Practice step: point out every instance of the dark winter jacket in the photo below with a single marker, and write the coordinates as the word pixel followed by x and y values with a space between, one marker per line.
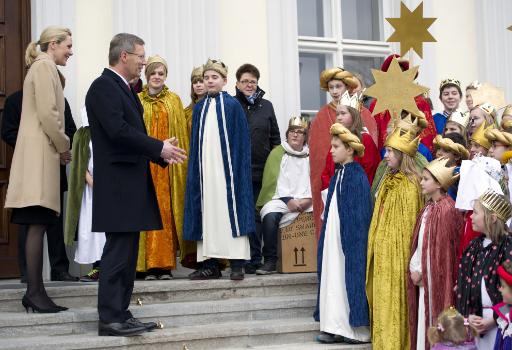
pixel 264 130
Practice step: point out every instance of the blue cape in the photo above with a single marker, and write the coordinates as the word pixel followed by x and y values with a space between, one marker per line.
pixel 239 195
pixel 355 212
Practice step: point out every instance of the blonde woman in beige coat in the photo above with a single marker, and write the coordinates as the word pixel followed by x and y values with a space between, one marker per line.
pixel 41 146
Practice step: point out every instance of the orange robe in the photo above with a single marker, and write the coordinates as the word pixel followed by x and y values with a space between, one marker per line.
pixel 164 117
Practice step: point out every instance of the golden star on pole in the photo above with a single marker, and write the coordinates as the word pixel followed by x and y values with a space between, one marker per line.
pixel 395 90
pixel 411 29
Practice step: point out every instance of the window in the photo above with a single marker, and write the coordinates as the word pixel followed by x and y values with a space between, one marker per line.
pixel 344 33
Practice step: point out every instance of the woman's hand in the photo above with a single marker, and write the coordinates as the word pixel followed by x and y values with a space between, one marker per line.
pixel 88 178
pixel 482 325
pixel 65 157
pixel 294 206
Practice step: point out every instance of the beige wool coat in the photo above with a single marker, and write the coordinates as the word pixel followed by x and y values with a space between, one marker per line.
pixel 35 170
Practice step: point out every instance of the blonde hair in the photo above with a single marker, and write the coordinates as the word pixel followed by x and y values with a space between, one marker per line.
pixel 496 230
pixel 150 68
pixel 450 327
pixel 49 34
pixel 407 166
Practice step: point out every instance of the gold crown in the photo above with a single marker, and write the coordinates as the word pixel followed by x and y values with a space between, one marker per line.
pixel 337 73
pixel 449 81
pixel 507 110
pixel 442 172
pixel 353 101
pixel 415 126
pixel 506 125
pixel 450 146
pixel 493 134
pixel 298 121
pixel 216 66
pixel 497 203
pixel 197 74
pixel 479 136
pixel 156 59
pixel 404 141
pixel 459 117
pixel 349 138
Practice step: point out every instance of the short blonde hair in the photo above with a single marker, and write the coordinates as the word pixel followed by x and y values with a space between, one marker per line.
pixel 49 34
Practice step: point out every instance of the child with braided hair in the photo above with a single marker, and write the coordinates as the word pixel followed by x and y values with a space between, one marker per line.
pixel 342 307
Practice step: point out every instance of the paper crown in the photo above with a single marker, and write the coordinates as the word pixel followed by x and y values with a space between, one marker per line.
pixel 404 141
pixel 488 108
pixel 298 122
pixel 197 74
pixel 493 134
pixel 506 125
pixel 412 123
pixel 348 137
pixel 479 136
pixel 337 73
pixel 449 81
pixel 507 110
pixel 450 146
pixel 156 59
pixel 497 203
pixel 353 101
pixel 442 172
pixel 475 85
pixel 216 66
pixel 459 117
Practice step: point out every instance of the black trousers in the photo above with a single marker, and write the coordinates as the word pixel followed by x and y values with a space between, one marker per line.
pixel 117 276
pixel 270 231
pixel 255 239
pixel 59 261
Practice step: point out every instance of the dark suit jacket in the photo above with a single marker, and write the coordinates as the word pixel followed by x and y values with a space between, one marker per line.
pixel 123 191
pixel 11 123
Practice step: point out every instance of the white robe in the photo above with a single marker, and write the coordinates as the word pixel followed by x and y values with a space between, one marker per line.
pixel 334 305
pixel 90 244
pixel 218 241
pixel 415 266
pixel 293 181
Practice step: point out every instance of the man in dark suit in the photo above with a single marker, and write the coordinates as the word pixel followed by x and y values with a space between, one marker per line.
pixel 59 261
pixel 124 196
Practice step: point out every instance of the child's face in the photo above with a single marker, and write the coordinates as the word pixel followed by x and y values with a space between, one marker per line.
pixel 214 81
pixel 199 87
pixel 452 127
pixel 477 117
pixel 392 159
pixel 497 149
pixel 344 117
pixel 450 98
pixel 336 89
pixel 478 217
pixel 506 291
pixel 440 153
pixel 429 185
pixel 341 154
pixel 469 98
pixel 476 149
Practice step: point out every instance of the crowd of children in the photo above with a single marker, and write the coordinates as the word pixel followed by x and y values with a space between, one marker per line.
pixel 422 259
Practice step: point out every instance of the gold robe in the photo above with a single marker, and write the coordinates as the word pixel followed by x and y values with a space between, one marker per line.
pixel 394 215
pixel 164 118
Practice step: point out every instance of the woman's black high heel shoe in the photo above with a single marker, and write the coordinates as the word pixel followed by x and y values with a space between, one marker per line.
pixel 28 304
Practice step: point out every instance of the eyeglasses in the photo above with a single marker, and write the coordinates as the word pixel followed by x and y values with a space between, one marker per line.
pixel 297 132
pixel 141 57
pixel 249 82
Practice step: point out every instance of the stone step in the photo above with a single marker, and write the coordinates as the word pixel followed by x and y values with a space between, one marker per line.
pixel 307 346
pixel 221 335
pixel 76 294
pixel 81 320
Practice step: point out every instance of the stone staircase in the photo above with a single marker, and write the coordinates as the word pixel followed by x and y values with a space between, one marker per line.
pixel 261 312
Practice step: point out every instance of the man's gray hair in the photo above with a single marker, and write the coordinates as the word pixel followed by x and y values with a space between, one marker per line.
pixel 122 42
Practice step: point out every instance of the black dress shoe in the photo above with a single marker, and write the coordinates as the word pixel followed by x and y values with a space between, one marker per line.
pixel 63 276
pixel 237 274
pixel 123 329
pixel 136 322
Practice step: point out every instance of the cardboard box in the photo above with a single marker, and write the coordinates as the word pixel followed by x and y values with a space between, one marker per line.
pixel 297 246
